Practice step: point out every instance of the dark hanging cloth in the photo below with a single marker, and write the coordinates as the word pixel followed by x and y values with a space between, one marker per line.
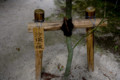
pixel 67 27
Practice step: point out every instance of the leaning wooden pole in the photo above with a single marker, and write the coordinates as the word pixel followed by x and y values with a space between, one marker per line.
pixel 68 40
pixel 90 14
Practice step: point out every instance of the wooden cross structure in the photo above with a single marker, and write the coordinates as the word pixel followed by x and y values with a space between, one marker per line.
pixel 39 39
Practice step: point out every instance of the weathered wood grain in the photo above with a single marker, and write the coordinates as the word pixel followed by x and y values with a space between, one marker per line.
pixel 38 34
pixel 90 49
pixel 38 63
pixel 84 23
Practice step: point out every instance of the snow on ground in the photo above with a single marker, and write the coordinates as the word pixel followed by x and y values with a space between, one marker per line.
pixel 20 64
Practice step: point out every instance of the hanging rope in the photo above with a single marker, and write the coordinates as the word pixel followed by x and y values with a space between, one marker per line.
pixel 93 21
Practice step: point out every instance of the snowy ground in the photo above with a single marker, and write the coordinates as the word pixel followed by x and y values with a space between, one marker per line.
pixel 20 64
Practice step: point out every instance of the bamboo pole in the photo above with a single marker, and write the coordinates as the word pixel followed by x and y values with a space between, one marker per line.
pixel 90 14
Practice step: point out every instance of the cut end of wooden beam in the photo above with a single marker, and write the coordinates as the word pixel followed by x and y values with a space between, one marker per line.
pixel 84 23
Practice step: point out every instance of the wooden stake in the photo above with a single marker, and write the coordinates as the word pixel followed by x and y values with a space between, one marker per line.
pixel 38 64
pixel 90 14
pixel 39 47
pixel 90 49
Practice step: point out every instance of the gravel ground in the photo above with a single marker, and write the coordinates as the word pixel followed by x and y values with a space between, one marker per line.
pixel 17 50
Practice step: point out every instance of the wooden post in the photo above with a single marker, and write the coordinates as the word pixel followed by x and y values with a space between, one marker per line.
pixel 38 63
pixel 38 33
pixel 90 49
pixel 90 13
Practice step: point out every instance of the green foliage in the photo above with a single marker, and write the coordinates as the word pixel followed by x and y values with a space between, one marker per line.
pixel 116 47
pixel 109 9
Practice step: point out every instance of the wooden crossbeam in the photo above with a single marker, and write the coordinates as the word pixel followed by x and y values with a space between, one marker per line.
pixel 84 23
